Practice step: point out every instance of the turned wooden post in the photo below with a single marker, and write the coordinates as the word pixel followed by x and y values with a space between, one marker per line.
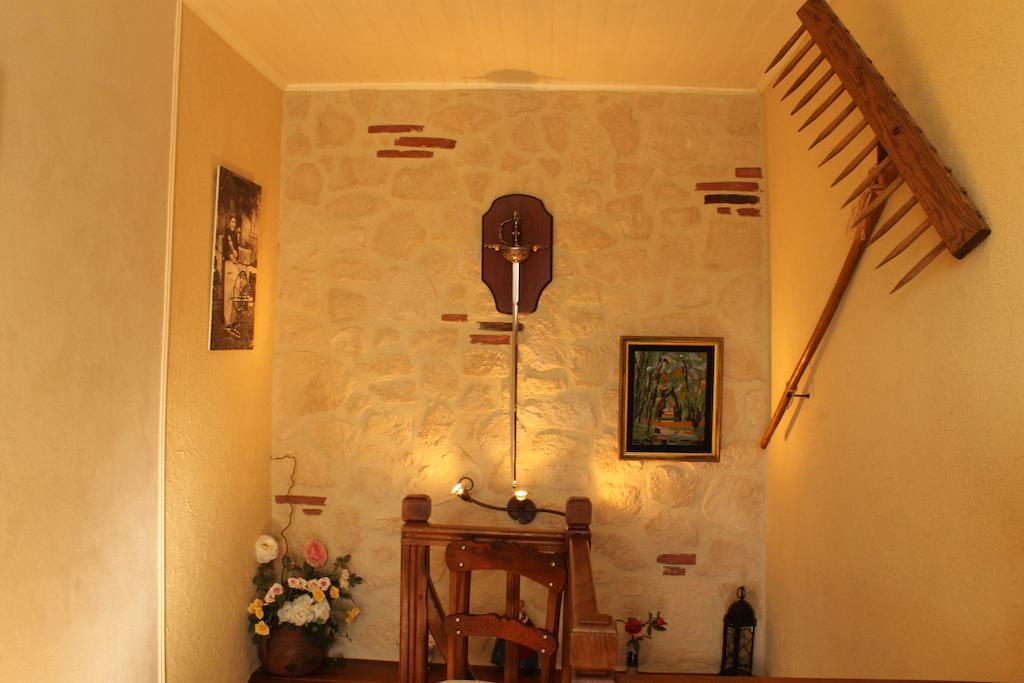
pixel 415 568
pixel 590 640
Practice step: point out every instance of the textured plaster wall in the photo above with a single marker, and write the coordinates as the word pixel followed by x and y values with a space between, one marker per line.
pixel 378 397
pixel 218 403
pixel 85 140
pixel 895 516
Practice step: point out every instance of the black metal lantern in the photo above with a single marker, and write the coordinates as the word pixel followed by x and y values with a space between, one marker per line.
pixel 738 637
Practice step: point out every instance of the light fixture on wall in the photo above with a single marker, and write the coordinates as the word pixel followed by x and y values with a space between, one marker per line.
pixel 519 507
pixel 515 263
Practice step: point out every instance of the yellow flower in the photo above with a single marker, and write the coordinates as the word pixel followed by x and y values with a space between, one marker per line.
pixel 351 615
pixel 256 608
pixel 318 594
pixel 335 593
pixel 261 629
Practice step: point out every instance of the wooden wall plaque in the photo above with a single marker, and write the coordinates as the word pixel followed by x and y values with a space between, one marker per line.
pixel 536 225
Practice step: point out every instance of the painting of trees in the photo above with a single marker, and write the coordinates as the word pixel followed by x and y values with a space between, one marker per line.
pixel 669 393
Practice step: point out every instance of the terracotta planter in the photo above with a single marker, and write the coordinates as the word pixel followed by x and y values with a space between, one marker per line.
pixel 291 651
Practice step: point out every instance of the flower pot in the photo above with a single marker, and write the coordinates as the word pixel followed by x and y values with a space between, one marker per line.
pixel 291 651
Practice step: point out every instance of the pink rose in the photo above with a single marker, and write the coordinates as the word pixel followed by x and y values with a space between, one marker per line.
pixel 324 583
pixel 316 554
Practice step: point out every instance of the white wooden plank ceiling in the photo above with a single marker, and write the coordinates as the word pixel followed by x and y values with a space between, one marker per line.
pixel 635 44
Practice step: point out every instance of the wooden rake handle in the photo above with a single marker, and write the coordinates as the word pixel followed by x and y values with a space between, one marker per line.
pixel 860 243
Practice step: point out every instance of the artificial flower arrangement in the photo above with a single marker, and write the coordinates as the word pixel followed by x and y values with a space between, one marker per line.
pixel 634 628
pixel 309 596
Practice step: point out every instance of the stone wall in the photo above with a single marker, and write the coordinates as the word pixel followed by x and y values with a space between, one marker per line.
pixel 377 396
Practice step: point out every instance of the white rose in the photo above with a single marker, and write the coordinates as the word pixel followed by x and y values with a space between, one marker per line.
pixel 302 610
pixel 321 611
pixel 284 613
pixel 266 549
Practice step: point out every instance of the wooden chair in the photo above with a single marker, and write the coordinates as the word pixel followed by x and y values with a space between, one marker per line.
pixel 516 560
pixel 574 631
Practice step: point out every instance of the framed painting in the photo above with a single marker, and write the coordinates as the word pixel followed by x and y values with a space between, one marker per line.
pixel 233 277
pixel 670 398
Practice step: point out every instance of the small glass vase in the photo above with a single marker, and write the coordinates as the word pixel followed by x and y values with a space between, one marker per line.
pixel 632 660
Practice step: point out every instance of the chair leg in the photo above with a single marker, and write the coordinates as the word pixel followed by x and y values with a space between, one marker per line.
pixel 457 661
pixel 412 666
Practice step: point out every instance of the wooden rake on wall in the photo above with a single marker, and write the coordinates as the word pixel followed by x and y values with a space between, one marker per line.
pixel 906 163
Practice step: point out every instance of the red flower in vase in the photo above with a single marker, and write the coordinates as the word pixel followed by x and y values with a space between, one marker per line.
pixel 633 626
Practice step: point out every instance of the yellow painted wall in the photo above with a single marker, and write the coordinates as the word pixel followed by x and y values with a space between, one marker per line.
pixel 895 516
pixel 218 403
pixel 85 141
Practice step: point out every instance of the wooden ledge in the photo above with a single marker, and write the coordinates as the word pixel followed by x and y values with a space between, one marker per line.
pixel 374 671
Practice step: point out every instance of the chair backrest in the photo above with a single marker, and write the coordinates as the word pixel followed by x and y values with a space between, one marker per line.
pixel 548 569
pixel 574 630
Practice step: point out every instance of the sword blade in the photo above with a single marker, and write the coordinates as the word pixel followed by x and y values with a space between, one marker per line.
pixel 515 366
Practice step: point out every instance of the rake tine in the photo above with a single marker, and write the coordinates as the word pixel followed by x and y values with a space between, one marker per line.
pixel 785 48
pixel 868 180
pixel 842 144
pixel 861 155
pixel 803 76
pixel 921 265
pixel 830 128
pixel 907 241
pixel 813 91
pixel 823 106
pixel 794 61
pixel 893 220
pixel 878 200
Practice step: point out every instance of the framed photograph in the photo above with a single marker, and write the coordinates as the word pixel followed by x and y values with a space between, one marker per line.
pixel 233 280
pixel 670 398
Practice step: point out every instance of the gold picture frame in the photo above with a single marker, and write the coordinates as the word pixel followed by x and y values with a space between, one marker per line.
pixel 670 400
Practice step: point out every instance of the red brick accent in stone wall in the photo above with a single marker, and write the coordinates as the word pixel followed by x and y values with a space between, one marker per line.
pixel 687 558
pixel 674 571
pixel 301 500
pixel 488 339
pixel 499 326
pixel 738 185
pixel 409 141
pixel 455 317
pixel 395 128
pixel 443 143
pixel 404 153
pixel 727 192
pixel 312 511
